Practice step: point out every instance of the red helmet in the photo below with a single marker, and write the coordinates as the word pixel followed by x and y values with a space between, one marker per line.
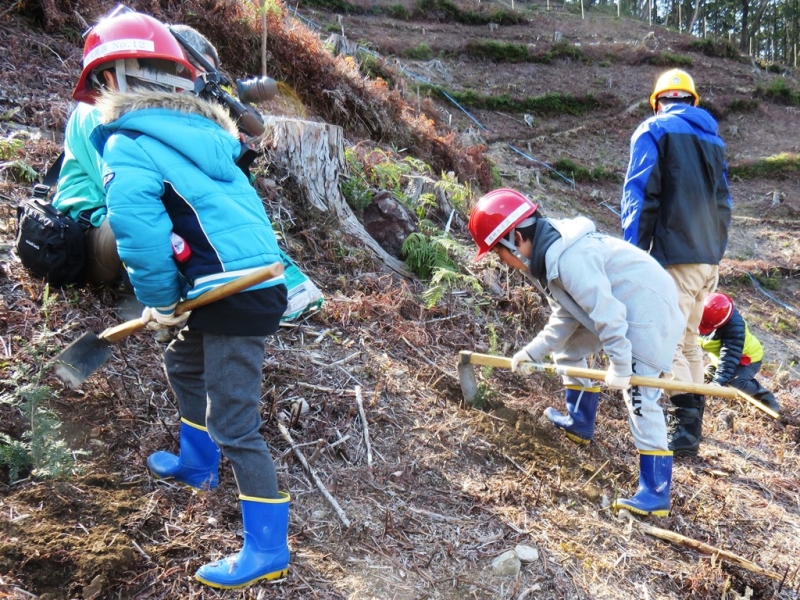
pixel 128 36
pixel 495 215
pixel 717 310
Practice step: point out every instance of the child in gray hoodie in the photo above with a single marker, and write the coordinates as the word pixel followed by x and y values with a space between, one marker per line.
pixel 605 294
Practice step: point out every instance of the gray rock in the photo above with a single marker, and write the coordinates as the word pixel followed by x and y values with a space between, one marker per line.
pixel 507 564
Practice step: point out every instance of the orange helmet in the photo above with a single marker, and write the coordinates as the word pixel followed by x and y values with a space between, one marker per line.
pixel 130 35
pixel 717 310
pixel 496 215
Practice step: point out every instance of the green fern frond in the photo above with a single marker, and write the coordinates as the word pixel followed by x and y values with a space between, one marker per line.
pixel 15 456
pixel 432 295
pixel 424 253
pixel 418 165
pixel 458 193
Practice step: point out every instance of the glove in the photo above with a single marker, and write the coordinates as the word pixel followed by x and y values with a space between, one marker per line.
pixel 519 357
pixel 615 381
pixel 158 318
pixel 523 356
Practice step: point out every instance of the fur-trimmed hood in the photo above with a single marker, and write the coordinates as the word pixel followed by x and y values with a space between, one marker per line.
pixel 113 105
pixel 199 130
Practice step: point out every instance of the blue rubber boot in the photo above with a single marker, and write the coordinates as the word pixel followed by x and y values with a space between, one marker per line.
pixel 578 423
pixel 655 478
pixel 197 465
pixel 265 554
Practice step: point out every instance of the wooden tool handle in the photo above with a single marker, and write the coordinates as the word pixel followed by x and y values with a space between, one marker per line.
pixel 473 358
pixel 757 404
pixel 652 382
pixel 118 332
pixel 597 375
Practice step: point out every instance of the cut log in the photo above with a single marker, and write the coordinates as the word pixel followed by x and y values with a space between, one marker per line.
pixel 314 154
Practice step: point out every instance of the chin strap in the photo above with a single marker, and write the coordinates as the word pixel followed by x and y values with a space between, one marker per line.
pixel 131 68
pixel 122 79
pixel 508 242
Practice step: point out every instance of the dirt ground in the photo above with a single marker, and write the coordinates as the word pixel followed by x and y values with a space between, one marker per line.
pixel 429 490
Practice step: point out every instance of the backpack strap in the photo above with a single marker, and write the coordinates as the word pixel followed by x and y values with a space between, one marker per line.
pixel 40 190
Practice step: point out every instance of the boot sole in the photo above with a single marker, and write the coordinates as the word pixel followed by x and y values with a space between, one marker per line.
pixel 206 488
pixel 639 511
pixel 222 586
pixel 578 440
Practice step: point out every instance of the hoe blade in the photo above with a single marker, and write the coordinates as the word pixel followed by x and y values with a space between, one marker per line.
pixel 81 358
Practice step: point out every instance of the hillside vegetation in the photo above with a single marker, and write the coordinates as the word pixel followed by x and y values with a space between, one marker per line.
pixel 442 102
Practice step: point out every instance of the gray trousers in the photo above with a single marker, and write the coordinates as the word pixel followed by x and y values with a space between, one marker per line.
pixel 217 381
pixel 645 415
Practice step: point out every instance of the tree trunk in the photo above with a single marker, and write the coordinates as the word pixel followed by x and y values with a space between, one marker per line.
pixel 314 154
pixel 693 20
pixel 756 22
pixel 744 40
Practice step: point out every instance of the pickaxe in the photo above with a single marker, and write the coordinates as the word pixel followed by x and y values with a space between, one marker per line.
pixel 469 385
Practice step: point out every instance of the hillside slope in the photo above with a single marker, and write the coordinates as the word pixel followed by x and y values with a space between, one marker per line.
pixel 448 488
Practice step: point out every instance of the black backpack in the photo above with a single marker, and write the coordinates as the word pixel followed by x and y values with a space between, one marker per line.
pixel 49 243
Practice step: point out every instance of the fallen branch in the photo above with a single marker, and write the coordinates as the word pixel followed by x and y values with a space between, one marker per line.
pixel 363 414
pixel 676 538
pixel 312 474
pixel 595 474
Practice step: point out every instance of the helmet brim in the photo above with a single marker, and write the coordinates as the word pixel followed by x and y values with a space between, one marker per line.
pixel 481 254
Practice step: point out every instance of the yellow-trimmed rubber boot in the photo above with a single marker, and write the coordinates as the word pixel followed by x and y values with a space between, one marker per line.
pixel 197 465
pixel 655 479
pixel 265 554
pixel 578 423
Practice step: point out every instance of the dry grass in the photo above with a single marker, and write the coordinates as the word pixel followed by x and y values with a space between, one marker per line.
pixel 449 487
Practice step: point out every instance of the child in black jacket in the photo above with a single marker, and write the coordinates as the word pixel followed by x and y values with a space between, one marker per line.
pixel 735 353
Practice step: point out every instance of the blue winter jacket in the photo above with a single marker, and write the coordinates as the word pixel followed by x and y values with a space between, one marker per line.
pixel 170 167
pixel 676 204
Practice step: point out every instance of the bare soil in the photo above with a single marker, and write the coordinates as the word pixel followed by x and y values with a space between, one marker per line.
pixel 449 487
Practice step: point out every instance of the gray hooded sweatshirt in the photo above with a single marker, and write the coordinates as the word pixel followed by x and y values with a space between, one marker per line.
pixel 616 291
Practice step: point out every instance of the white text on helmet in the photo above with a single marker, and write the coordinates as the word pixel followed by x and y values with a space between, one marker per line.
pixel 119 46
pixel 506 223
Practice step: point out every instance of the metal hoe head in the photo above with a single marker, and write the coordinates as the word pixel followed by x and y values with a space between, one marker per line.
pixel 466 377
pixel 81 358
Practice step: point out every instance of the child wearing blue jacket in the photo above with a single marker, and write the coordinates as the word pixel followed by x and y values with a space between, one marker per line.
pixel 186 220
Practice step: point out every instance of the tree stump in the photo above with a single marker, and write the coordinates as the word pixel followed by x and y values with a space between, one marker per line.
pixel 314 154
pixel 341 45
